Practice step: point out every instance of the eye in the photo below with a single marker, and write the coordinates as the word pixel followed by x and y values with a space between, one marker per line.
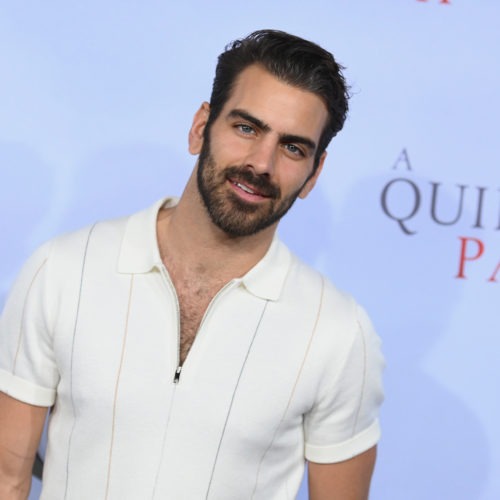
pixel 294 150
pixel 245 128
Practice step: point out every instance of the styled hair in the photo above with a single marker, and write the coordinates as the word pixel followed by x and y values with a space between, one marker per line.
pixel 293 60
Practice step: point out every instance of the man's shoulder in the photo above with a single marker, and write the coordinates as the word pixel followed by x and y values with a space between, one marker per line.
pixel 336 322
pixel 316 290
pixel 107 232
pixel 305 277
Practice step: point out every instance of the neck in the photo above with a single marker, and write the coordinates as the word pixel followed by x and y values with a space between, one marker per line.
pixel 188 240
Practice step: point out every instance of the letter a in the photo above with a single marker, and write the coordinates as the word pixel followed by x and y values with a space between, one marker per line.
pixel 403 157
pixel 493 277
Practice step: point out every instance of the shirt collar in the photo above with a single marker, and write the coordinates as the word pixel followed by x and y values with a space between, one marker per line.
pixel 139 253
pixel 267 277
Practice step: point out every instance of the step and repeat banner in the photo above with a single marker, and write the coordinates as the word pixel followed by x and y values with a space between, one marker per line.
pixel 97 100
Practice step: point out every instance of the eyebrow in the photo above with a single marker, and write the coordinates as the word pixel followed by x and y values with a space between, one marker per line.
pixel 284 138
pixel 240 113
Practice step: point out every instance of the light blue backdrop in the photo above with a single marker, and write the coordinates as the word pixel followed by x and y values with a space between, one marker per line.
pixel 97 99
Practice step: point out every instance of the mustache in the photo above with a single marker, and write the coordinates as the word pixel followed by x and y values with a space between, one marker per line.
pixel 261 183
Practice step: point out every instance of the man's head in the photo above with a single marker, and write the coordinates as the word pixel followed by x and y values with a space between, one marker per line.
pixel 293 60
pixel 276 102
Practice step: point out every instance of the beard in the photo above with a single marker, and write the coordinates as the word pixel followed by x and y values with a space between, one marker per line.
pixel 235 216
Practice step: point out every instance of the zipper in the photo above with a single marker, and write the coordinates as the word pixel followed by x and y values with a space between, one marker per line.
pixel 178 370
pixel 164 272
pixel 177 374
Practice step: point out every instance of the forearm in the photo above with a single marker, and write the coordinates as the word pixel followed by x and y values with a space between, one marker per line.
pixel 12 485
pixel 348 480
pixel 21 426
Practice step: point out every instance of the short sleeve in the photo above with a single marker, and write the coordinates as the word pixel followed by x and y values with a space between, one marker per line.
pixel 27 367
pixel 344 421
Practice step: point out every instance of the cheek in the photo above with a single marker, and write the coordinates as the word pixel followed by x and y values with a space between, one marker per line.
pixel 294 175
pixel 229 149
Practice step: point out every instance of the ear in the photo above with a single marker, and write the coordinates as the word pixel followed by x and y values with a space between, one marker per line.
pixel 308 186
pixel 195 138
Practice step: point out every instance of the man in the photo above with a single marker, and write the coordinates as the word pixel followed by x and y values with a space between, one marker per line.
pixel 186 353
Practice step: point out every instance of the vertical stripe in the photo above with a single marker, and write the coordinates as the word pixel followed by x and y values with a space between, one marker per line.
pixel 292 393
pixel 84 262
pixel 233 395
pixel 164 440
pixel 361 394
pixel 23 317
pixel 117 386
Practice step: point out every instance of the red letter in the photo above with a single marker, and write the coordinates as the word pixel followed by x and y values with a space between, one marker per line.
pixel 493 277
pixel 464 257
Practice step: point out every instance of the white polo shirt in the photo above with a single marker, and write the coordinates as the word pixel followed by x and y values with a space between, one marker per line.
pixel 284 367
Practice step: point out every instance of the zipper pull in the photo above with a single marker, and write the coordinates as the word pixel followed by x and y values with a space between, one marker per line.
pixel 177 375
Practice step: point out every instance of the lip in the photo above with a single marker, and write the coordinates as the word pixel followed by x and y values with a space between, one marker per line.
pixel 246 191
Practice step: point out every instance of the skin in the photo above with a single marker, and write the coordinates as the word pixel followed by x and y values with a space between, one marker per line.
pixel 255 201
pixel 21 427
pixel 348 480
pixel 267 128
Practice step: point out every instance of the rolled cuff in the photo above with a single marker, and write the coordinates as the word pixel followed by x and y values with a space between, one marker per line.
pixel 345 450
pixel 25 391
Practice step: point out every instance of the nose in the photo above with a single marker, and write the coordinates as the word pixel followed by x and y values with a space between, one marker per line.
pixel 261 157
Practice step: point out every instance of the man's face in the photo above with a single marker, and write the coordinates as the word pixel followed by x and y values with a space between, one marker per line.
pixel 258 155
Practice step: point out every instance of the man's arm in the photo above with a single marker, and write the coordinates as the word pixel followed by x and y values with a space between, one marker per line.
pixel 348 480
pixel 21 427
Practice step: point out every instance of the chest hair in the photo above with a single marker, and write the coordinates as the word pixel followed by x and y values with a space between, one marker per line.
pixel 194 298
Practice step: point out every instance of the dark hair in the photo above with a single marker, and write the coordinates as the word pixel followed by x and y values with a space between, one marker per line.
pixel 293 60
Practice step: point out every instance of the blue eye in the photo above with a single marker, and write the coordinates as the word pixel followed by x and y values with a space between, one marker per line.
pixel 292 148
pixel 244 128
